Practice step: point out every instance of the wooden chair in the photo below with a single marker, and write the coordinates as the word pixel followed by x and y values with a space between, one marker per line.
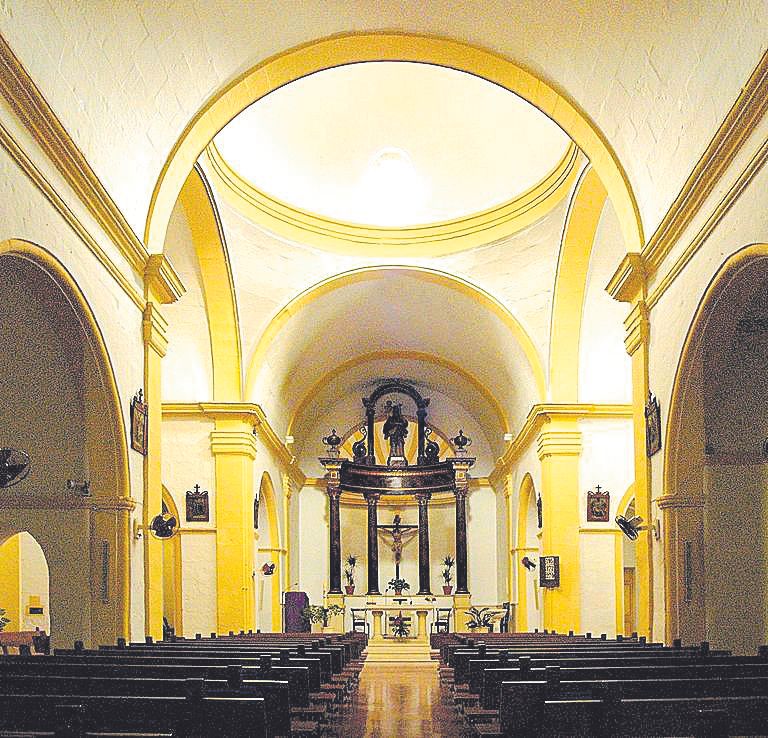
pixel 442 622
pixel 359 622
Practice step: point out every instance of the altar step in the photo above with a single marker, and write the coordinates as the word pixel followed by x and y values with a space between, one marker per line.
pixel 390 650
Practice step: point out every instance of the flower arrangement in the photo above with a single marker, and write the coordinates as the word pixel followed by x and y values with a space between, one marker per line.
pixel 320 613
pixel 398 585
pixel 448 563
pixel 401 627
pixel 349 573
pixel 482 617
pixel 3 620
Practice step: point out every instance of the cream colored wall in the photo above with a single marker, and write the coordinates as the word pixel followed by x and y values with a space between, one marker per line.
pixel 744 222
pixel 313 543
pixel 481 546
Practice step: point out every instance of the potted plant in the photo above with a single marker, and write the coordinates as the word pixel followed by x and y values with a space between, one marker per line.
pixel 400 627
pixel 482 618
pixel 349 574
pixel 398 585
pixel 3 620
pixel 448 563
pixel 318 615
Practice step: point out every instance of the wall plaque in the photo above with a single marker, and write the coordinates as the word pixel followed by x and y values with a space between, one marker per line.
pixel 549 571
pixel 139 424
pixel 652 426
pixel 197 505
pixel 598 505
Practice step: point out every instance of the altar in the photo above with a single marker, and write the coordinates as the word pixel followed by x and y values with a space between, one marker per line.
pixel 398 478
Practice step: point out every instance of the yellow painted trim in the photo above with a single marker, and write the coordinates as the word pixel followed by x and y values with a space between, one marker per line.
pixel 746 113
pixel 545 413
pixel 26 100
pixel 433 239
pixel 249 413
pixel 121 498
pixel 218 286
pixel 433 276
pixel 405 354
pixel 161 280
pixel 571 284
pixel 267 489
pixel 339 50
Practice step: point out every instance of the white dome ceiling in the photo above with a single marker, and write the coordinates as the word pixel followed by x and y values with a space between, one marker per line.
pixel 392 144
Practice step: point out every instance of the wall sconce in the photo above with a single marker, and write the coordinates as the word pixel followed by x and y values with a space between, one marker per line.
pixel 81 488
pixel 268 569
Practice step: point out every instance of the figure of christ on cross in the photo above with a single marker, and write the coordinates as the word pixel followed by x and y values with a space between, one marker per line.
pixel 401 534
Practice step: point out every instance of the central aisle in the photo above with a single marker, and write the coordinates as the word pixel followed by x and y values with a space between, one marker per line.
pixel 399 700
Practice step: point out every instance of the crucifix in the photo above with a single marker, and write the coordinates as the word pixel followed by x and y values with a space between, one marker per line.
pixel 401 534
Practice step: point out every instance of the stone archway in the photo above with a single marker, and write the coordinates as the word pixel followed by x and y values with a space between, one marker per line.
pixel 58 402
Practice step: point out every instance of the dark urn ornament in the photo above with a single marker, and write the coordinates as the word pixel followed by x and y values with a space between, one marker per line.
pixel 461 442
pixel 332 442
pixel 14 467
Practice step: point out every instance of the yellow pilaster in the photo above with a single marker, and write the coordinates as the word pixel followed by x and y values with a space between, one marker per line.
pixel 287 496
pixel 234 450
pixel 508 493
pixel 558 449
pixel 10 581
pixel 335 622
pixel 155 347
pixel 161 286
pixel 628 285
pixel 461 603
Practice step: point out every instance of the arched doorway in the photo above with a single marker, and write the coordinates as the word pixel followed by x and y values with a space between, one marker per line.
pixel 715 512
pixel 529 602
pixel 58 403
pixel 627 573
pixel 268 553
pixel 172 573
pixel 24 584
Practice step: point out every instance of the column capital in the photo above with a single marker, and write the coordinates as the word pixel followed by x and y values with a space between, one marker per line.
pixel 558 443
pixel 372 497
pixel 637 326
pixel 155 329
pixel 333 492
pixel 628 283
pixel 423 497
pixel 233 442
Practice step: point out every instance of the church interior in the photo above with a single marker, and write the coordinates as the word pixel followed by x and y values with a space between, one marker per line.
pixel 383 330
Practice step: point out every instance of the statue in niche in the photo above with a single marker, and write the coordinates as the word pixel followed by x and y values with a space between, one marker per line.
pixel 395 431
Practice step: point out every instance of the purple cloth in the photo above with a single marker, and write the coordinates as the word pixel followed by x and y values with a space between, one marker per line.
pixel 295 622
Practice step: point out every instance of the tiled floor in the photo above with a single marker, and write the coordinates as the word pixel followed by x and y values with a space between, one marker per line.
pixel 399 700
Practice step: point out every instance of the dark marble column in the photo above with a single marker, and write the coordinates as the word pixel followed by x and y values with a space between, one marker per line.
pixel 373 543
pixel 421 415
pixel 335 541
pixel 370 419
pixel 461 541
pixel 424 585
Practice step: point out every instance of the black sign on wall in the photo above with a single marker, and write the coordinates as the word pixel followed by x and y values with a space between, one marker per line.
pixel 549 571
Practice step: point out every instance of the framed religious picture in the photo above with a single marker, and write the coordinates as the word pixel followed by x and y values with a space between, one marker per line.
pixel 652 426
pixel 197 505
pixel 256 513
pixel 139 424
pixel 598 505
pixel 549 571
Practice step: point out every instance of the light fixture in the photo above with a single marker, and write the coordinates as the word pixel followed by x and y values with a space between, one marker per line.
pixel 82 488
pixel 14 467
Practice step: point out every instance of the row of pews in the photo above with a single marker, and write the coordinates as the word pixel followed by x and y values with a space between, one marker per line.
pixel 260 685
pixel 546 684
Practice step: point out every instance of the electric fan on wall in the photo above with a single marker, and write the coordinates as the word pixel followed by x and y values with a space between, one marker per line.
pixel 14 467
pixel 630 527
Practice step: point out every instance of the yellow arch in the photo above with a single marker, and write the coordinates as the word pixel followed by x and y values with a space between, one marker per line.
pixel 339 50
pixel 571 284
pixel 385 354
pixel 218 286
pixel 267 489
pixel 92 333
pixel 527 493
pixel 380 272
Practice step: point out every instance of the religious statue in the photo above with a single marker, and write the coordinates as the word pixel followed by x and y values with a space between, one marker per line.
pixel 395 431
pixel 397 530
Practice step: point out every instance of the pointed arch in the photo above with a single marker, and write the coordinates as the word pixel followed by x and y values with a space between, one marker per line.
pixel 267 494
pixel 173 607
pixel 526 498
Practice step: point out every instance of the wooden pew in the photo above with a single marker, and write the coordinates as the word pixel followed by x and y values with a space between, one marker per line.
pixel 25 640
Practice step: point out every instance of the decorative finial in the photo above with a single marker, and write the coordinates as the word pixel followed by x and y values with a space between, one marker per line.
pixel 461 442
pixel 332 442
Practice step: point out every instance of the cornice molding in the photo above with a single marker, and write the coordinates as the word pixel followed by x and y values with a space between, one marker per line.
pixel 26 100
pixel 233 443
pixel 48 191
pixel 544 413
pixel 558 443
pixel 18 501
pixel 637 327
pixel 628 281
pixel 741 120
pixel 155 329
pixel 162 280
pixel 247 412
pixel 679 502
